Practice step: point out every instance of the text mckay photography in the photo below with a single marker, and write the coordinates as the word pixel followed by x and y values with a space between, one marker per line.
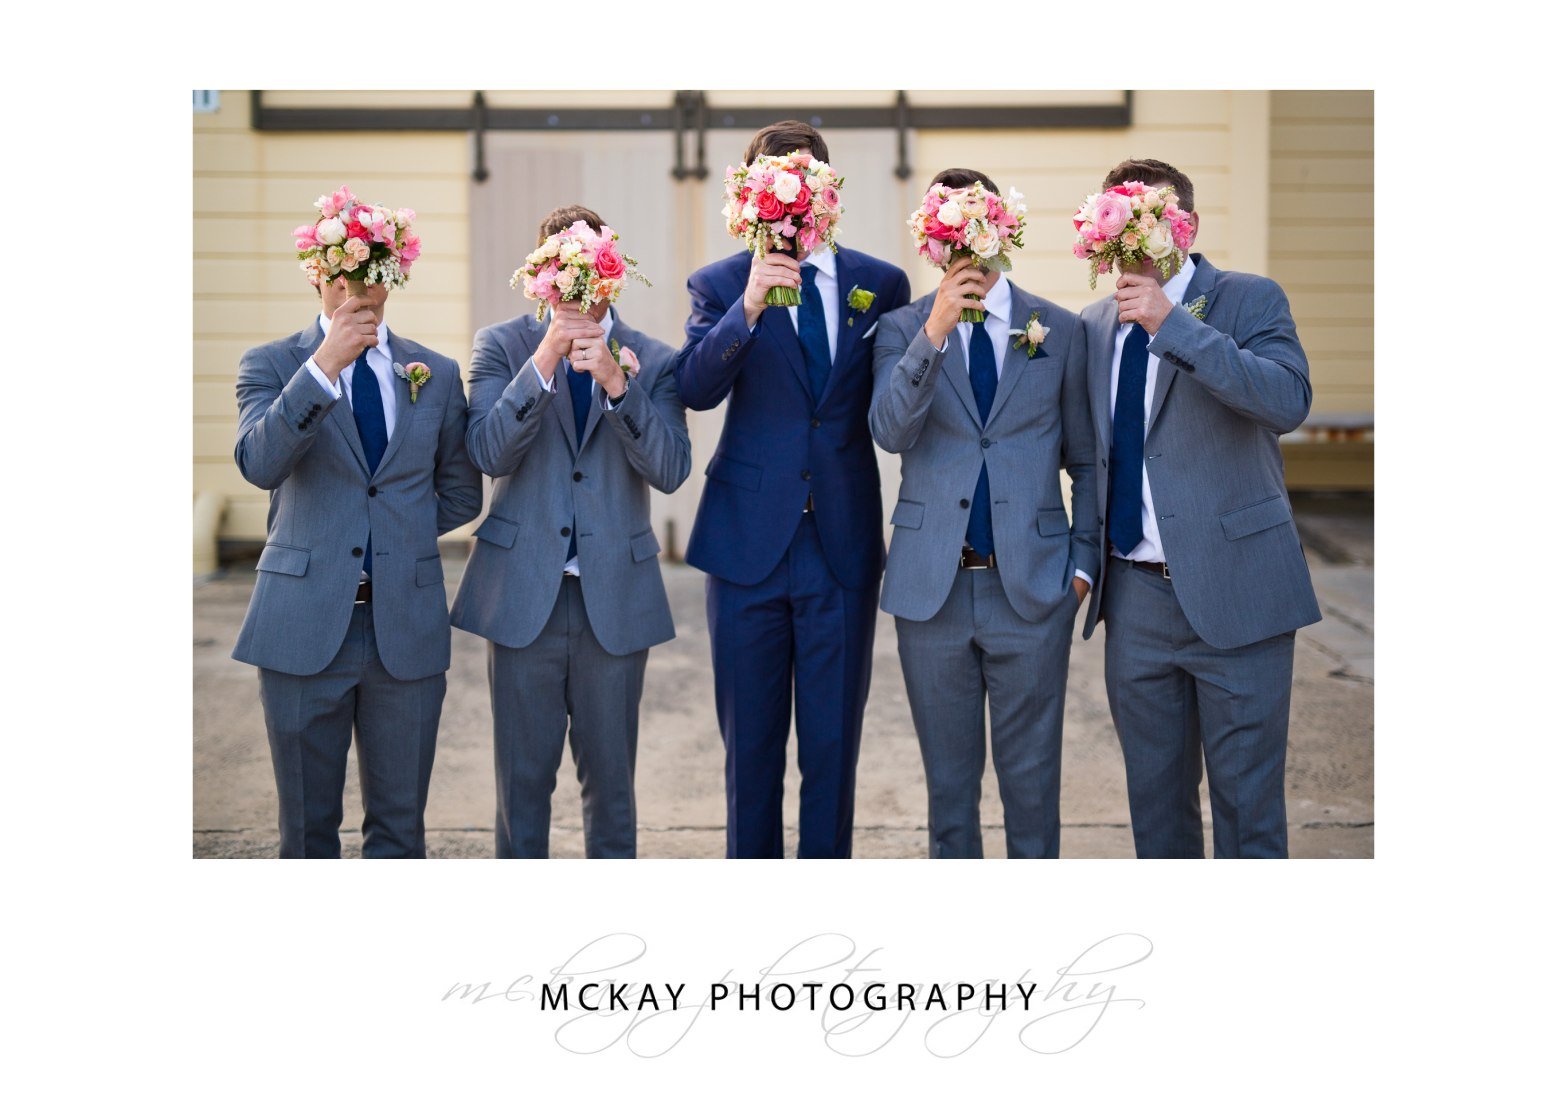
pixel 853 997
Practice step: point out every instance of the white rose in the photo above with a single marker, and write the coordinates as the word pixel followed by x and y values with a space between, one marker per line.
pixel 814 182
pixel 570 250
pixel 1037 332
pixel 330 231
pixel 748 211
pixel 950 214
pixel 986 243
pixel 1158 243
pixel 786 187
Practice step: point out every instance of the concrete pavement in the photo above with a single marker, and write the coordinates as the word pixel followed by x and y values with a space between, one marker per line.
pixel 680 793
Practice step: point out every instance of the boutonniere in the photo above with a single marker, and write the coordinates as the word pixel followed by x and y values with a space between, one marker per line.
pixel 1032 335
pixel 417 374
pixel 860 300
pixel 625 357
pixel 1197 308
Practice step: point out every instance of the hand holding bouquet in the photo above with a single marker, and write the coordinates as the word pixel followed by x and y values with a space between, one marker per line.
pixel 577 265
pixel 969 220
pixel 1130 223
pixel 783 203
pixel 364 244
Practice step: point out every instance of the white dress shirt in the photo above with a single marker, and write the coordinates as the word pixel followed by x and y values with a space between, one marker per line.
pixel 1151 549
pixel 380 358
pixel 572 567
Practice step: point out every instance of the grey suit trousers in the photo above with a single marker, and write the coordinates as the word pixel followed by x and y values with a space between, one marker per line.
pixel 976 646
pixel 564 677
pixel 311 722
pixel 1178 703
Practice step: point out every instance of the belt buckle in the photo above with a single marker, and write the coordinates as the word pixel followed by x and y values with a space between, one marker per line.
pixel 1164 569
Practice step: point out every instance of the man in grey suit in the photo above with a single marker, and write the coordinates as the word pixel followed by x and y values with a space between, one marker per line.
pixel 348 622
pixel 985 572
pixel 564 580
pixel 1192 382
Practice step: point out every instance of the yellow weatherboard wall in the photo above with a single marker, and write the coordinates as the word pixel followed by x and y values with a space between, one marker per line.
pixel 1283 180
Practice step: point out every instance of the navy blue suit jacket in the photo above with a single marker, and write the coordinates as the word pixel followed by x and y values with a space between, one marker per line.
pixel 778 444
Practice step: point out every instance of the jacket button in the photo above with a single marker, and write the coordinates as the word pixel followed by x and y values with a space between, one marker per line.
pixel 963 503
pixel 805 475
pixel 1102 462
pixel 577 476
pixel 815 423
pixel 372 491
pixel 357 552
pixel 302 425
pixel 521 412
pixel 565 531
pixel 984 442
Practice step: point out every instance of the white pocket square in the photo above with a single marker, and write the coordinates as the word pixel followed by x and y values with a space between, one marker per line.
pixel 871 331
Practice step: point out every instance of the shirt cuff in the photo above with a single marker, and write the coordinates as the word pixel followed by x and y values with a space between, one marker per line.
pixel 547 385
pixel 334 390
pixel 612 404
pixel 1084 576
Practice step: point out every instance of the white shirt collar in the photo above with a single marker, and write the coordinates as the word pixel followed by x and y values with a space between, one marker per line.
pixel 380 333
pixel 825 260
pixel 1175 290
pixel 998 300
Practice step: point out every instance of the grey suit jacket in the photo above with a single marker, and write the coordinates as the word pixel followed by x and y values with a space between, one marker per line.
pixel 923 408
pixel 301 444
pixel 526 439
pixel 1228 386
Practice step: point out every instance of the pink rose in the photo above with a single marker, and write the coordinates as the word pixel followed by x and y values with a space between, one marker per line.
pixel 628 360
pixel 1111 214
pixel 801 203
pixel 411 250
pixel 607 262
pixel 829 196
pixel 768 207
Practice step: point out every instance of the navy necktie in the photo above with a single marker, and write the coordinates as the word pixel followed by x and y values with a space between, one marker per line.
pixel 581 400
pixel 1125 503
pixel 982 377
pixel 812 325
pixel 370 418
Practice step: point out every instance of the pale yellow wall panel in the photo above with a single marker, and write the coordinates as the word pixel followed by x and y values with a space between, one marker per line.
pixel 212 399
pixel 1315 104
pixel 244 519
pixel 1180 107
pixel 1290 238
pixel 270 235
pixel 233 114
pixel 1321 203
pixel 1296 272
pixel 214 438
pixel 1326 139
pixel 340 156
pixel 1313 169
pixel 1335 339
pixel 368 98
pixel 219 151
pixel 276 276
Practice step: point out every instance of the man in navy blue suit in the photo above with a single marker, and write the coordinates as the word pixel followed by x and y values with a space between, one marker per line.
pixel 789 528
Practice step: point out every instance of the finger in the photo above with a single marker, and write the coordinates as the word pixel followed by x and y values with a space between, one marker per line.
pixel 1132 280
pixel 348 306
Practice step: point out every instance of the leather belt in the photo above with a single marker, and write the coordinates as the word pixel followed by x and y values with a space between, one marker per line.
pixel 1160 569
pixel 971 560
pixel 362 595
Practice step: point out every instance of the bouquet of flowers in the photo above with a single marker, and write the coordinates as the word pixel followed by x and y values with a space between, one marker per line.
pixel 972 220
pixel 1130 223
pixel 783 203
pixel 577 265
pixel 367 244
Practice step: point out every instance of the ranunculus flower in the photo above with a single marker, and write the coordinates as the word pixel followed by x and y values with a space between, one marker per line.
pixel 769 207
pixel 985 244
pixel 975 207
pixel 608 262
pixel 1111 215
pixel 330 231
pixel 787 186
pixel 829 197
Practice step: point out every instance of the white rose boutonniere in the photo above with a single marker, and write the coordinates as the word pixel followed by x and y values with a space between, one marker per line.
pixel 1032 335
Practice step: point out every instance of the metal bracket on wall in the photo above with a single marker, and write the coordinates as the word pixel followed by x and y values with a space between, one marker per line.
pixel 688 113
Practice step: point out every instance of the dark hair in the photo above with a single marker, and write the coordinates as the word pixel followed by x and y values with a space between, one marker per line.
pixel 1153 172
pixel 959 177
pixel 785 136
pixel 562 218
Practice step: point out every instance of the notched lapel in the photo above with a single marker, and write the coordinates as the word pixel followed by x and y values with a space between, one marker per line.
pixel 401 355
pixel 1202 284
pixel 1100 328
pixel 1014 364
pixel 775 320
pixel 342 414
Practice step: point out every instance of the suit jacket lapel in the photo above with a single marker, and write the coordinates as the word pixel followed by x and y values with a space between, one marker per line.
pixel 562 407
pixel 1015 361
pixel 401 391
pixel 1101 326
pixel 1202 282
pixel 846 336
pixel 955 366
pixel 596 406
pixel 343 414
pixel 775 320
